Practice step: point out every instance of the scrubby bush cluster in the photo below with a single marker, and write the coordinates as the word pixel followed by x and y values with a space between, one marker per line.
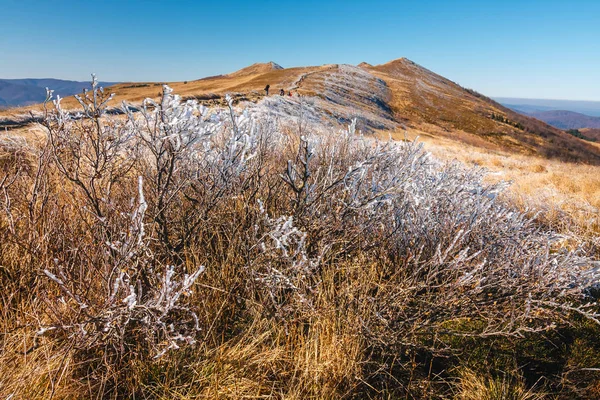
pixel 181 251
pixel 578 134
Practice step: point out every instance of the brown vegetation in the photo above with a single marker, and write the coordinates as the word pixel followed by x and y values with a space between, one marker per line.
pixel 184 253
pixel 394 94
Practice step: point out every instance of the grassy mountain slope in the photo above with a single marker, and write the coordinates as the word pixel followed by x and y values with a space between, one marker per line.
pixel 422 98
pixel 385 97
pixel 591 133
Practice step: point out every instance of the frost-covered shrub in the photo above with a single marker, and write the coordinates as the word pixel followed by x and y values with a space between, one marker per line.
pixel 126 295
pixel 437 231
pixel 447 245
pixel 148 182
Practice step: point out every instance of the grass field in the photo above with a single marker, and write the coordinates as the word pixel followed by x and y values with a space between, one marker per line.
pixel 174 254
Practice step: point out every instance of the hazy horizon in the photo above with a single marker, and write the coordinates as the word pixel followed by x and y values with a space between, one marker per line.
pixel 591 108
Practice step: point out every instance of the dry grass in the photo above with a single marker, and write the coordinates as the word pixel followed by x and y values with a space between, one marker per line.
pixel 336 266
pixel 475 386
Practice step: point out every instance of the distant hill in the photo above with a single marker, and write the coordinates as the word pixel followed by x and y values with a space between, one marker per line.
pixel 258 68
pixel 562 114
pixel 563 119
pixel 527 108
pixel 22 92
pixel 591 108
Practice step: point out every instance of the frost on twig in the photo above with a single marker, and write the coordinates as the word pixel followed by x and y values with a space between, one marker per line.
pixel 282 265
pixel 134 301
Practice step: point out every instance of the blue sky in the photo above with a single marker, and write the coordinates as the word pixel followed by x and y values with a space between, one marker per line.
pixel 535 49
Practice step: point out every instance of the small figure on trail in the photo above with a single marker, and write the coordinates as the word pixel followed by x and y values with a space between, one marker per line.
pixel 290 94
pixel 282 92
pixel 267 89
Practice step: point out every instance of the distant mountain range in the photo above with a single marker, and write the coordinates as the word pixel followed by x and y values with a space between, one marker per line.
pixel 591 108
pixel 563 119
pixel 562 114
pixel 22 92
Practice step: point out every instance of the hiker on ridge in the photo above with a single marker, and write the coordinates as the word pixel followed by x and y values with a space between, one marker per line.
pixel 267 89
pixel 282 92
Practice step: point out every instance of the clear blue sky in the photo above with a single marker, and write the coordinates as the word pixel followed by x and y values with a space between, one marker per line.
pixel 512 48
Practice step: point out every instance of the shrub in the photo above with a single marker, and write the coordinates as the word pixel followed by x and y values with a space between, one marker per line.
pixel 474 386
pixel 578 134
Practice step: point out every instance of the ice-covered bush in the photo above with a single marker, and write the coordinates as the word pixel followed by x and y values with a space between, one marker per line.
pixel 449 247
pixel 126 295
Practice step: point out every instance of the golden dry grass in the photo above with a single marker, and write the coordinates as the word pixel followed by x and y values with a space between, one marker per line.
pixel 475 386
pixel 246 352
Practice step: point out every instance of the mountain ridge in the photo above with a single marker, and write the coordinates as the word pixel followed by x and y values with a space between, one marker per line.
pixel 26 91
pixel 393 96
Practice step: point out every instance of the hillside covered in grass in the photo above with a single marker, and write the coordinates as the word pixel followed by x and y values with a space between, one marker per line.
pixel 396 95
